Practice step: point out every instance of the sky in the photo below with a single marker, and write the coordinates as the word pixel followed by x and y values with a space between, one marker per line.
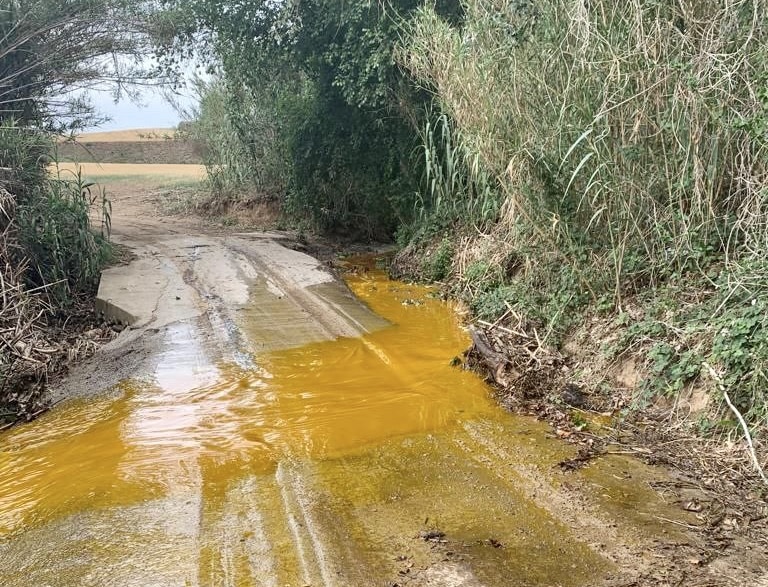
pixel 152 111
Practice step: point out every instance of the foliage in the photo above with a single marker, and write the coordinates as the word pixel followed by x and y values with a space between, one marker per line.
pixel 455 188
pixel 47 51
pixel 629 144
pixel 54 230
pixel 549 295
pixel 671 369
pixel 350 140
pixel 437 265
pixel 609 149
pixel 612 129
pixel 51 217
pixel 49 251
pixel 491 302
pixel 238 130
pixel 24 156
pixel 50 48
pixel 723 324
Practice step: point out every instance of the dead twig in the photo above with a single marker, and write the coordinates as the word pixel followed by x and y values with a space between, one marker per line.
pixel 496 325
pixel 747 436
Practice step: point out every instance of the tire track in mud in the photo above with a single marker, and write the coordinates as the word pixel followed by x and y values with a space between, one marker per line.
pixel 603 534
pixel 234 548
pixel 311 546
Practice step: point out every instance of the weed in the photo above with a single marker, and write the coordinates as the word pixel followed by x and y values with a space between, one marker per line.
pixel 671 369
pixel 578 421
pixel 456 191
pixel 55 231
pixel 493 302
pixel 483 275
pixel 437 265
pixel 630 153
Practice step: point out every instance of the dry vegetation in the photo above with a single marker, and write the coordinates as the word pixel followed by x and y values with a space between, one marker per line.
pixel 619 281
pixel 35 342
pixel 626 150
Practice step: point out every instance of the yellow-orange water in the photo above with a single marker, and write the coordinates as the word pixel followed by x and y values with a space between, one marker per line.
pixel 219 422
pixel 180 475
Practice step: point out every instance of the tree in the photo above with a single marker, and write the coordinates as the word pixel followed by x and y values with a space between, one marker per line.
pixel 352 150
pixel 49 48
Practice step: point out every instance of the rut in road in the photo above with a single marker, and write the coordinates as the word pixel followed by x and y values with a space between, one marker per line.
pixel 266 427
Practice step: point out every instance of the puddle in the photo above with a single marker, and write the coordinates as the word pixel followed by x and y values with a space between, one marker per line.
pixel 375 438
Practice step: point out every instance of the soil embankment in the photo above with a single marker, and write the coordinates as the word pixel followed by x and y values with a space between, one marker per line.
pixel 152 146
pixel 146 152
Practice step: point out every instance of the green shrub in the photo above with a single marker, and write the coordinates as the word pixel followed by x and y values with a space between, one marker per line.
pixel 455 190
pixel 629 143
pixel 437 265
pixel 24 155
pixel 239 131
pixel 491 303
pixel 66 255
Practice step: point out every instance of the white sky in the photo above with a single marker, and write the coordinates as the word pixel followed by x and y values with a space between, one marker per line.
pixel 152 111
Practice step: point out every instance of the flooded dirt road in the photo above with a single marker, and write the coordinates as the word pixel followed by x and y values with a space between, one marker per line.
pixel 260 425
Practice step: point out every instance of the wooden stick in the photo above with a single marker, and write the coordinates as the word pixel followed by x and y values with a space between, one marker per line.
pixel 503 329
pixel 742 422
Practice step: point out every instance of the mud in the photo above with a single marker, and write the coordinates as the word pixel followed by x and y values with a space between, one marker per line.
pixel 258 424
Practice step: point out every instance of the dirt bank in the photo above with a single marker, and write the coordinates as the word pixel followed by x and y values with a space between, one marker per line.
pixel 147 152
pixel 143 146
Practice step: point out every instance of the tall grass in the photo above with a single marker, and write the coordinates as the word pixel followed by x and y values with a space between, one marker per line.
pixel 629 143
pixel 239 133
pixel 56 232
pixel 62 224
pixel 24 157
pixel 634 129
pixel 455 186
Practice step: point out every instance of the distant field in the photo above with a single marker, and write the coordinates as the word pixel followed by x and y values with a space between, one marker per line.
pixel 122 136
pixel 103 172
pixel 142 145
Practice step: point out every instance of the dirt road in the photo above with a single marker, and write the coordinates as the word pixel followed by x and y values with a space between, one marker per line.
pixel 258 424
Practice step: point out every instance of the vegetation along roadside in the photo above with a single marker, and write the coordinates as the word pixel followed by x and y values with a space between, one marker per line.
pixel 590 178
pixel 54 229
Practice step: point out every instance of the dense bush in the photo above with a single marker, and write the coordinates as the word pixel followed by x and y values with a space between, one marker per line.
pixel 587 151
pixel 343 118
pixel 48 49
pixel 628 142
pixel 52 218
pixel 240 131
pixel 637 129
pixel 65 252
